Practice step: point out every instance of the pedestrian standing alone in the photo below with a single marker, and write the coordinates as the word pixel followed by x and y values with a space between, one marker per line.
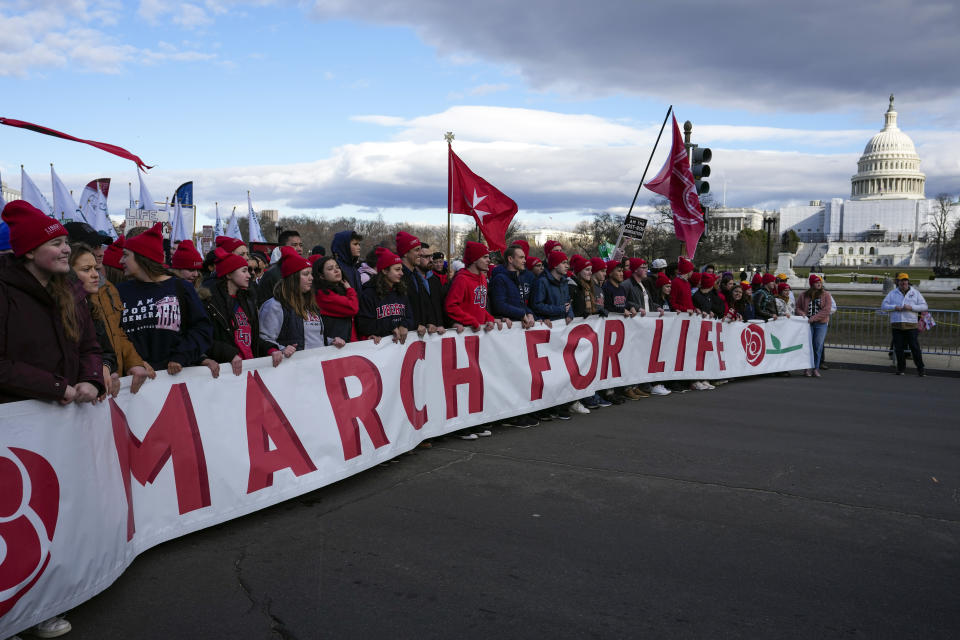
pixel 815 304
pixel 903 303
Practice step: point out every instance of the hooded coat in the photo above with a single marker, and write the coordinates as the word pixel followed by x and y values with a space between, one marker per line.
pixel 36 358
pixel 349 266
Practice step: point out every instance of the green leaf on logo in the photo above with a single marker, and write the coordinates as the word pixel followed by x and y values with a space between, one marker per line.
pixel 776 342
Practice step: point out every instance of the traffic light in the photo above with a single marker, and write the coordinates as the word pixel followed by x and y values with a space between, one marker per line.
pixel 700 157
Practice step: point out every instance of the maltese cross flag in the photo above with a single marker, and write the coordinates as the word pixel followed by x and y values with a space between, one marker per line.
pixel 675 182
pixel 471 195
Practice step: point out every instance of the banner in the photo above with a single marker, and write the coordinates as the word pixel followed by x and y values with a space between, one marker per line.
pixel 87 488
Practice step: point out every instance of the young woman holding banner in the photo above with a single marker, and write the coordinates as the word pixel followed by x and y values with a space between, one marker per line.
pixel 57 358
pixel 291 321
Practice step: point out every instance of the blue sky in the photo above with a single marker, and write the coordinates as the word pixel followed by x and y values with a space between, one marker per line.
pixel 330 107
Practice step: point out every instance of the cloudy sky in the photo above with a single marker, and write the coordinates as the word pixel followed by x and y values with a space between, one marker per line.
pixel 339 107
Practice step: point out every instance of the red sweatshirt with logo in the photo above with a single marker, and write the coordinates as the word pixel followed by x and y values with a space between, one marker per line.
pixel 466 301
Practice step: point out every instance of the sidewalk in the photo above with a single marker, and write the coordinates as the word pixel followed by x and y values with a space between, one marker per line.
pixel 936 364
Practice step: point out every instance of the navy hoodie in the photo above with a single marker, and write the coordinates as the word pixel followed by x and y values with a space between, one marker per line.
pixel 340 248
pixel 508 295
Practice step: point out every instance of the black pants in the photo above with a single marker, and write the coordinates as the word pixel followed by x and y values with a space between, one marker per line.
pixel 903 338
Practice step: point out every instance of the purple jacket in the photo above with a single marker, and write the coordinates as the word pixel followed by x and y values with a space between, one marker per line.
pixel 36 358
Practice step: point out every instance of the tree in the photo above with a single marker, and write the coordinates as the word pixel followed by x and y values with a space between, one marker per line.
pixel 939 223
pixel 750 247
pixel 790 241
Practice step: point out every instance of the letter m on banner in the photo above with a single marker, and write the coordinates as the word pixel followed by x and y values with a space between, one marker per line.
pixel 173 435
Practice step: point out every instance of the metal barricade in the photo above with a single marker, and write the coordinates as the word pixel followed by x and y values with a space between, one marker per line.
pixel 868 329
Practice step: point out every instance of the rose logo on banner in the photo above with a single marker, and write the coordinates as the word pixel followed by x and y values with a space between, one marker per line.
pixel 29 506
pixel 754 344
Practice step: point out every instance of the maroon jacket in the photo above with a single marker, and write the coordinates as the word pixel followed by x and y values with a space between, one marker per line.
pixel 36 359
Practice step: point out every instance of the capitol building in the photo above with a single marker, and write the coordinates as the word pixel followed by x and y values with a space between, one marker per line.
pixel 884 222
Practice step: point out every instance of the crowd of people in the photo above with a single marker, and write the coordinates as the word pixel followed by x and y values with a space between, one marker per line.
pixel 86 311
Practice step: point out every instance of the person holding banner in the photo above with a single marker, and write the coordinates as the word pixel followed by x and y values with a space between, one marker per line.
pixel 233 312
pixel 509 291
pixel 426 302
pixel 384 305
pixel 163 317
pixel 61 362
pixel 466 302
pixel 764 302
pixel 290 321
pixel 661 293
pixel 107 312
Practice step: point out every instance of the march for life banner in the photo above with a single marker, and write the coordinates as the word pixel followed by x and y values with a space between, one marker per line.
pixel 85 489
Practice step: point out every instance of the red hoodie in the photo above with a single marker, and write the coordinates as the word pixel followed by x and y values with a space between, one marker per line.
pixel 681 298
pixel 333 304
pixel 466 302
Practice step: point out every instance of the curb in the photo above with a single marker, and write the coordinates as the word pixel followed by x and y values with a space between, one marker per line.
pixel 879 368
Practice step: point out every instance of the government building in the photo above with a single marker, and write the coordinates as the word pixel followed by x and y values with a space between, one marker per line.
pixel 884 222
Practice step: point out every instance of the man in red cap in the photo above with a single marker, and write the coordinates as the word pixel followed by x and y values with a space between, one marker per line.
pixel 637 287
pixel 706 299
pixel 681 297
pixel 426 302
pixel 466 302
pixel 764 303
pixel 550 246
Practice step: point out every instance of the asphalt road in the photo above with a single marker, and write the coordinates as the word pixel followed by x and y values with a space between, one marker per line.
pixel 769 508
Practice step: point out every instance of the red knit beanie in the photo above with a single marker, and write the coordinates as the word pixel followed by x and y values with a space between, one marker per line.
pixel 578 263
pixel 291 261
pixel 684 266
pixel 473 252
pixel 523 244
pixel 707 281
pixel 113 253
pixel 636 263
pixel 783 286
pixel 598 264
pixel 228 244
pixel 768 278
pixel 186 256
pixel 227 262
pixel 756 281
pixel 662 279
pixel 29 227
pixel 815 278
pixel 386 258
pixel 554 258
pixel 695 278
pixel 148 244
pixel 405 242
pixel 532 261
pixel 611 265
pixel 549 246
pixel 313 258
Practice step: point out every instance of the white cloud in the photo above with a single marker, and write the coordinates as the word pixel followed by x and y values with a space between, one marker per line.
pixel 588 164
pixel 486 89
pixel 191 16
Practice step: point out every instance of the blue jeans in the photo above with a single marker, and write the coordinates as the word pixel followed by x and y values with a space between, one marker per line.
pixel 818 333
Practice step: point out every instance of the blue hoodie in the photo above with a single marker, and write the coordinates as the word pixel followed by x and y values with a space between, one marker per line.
pixel 340 248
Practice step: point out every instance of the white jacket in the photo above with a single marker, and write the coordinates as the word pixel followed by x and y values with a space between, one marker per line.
pixel 897 298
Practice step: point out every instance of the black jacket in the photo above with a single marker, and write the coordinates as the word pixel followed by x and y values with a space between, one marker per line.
pixel 380 315
pixel 220 307
pixel 426 305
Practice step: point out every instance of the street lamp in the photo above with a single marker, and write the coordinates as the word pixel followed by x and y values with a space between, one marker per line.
pixel 279 230
pixel 768 223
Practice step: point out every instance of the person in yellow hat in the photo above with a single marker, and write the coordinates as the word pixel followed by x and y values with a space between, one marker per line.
pixel 903 303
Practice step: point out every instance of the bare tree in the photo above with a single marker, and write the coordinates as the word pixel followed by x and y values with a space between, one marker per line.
pixel 939 223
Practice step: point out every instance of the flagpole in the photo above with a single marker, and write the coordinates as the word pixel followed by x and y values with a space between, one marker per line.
pixel 449 138
pixel 644 177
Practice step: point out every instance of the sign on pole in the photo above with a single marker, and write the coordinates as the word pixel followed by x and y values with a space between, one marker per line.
pixel 633 227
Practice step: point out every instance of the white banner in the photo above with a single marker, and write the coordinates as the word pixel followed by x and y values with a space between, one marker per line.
pixel 84 489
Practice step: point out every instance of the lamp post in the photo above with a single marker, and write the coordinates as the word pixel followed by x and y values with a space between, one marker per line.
pixel 768 223
pixel 279 229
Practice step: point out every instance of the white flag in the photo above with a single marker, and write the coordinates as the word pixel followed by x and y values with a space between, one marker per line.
pixel 146 200
pixel 30 193
pixel 255 232
pixel 102 218
pixel 93 206
pixel 233 227
pixel 178 231
pixel 218 224
pixel 64 208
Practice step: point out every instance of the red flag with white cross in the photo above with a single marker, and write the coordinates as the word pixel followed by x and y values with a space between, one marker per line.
pixel 471 195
